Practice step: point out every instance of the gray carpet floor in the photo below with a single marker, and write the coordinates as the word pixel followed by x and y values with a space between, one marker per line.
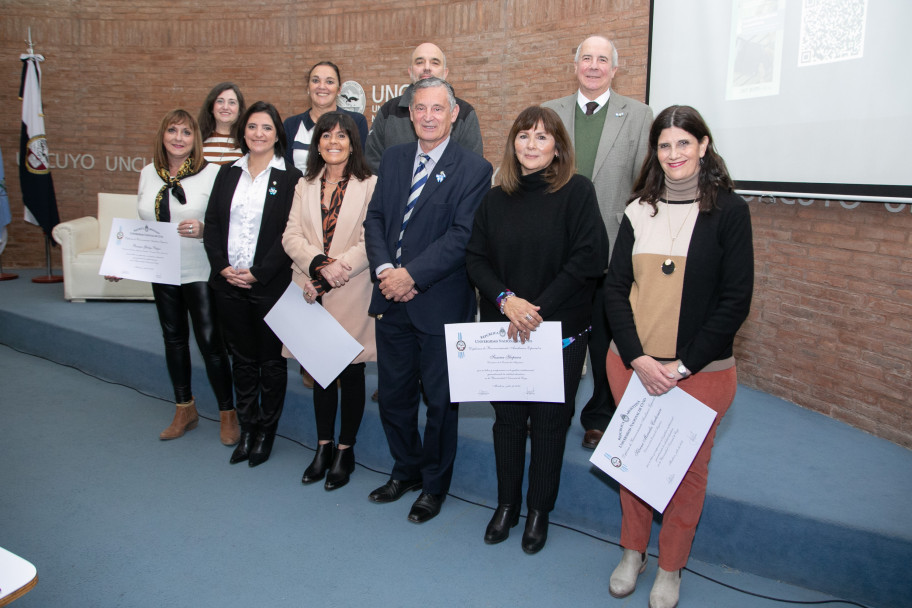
pixel 111 516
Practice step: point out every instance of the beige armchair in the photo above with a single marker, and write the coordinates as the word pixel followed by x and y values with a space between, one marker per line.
pixel 83 243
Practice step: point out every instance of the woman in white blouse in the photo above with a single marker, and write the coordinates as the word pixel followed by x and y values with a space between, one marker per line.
pixel 247 214
pixel 175 188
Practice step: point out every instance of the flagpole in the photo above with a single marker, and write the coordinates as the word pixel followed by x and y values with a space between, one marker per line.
pixel 50 277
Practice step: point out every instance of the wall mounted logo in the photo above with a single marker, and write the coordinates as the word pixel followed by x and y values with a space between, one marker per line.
pixel 352 97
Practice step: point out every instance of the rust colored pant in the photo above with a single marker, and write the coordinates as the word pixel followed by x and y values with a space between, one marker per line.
pixel 679 522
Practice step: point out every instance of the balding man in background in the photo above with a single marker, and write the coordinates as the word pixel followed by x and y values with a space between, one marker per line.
pixel 392 125
pixel 610 137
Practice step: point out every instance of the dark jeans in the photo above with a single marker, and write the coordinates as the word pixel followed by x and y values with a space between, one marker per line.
pixel 548 423
pixel 260 370
pixel 173 302
pixel 326 400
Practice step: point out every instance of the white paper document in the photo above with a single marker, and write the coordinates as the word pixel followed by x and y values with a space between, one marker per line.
pixel 485 365
pixel 652 441
pixel 312 335
pixel 143 251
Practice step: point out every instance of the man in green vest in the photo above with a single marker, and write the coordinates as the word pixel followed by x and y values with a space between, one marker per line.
pixel 610 135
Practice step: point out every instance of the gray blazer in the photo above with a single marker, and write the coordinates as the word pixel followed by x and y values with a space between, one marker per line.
pixel 621 150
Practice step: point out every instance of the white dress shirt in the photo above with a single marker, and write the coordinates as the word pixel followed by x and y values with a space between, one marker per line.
pixel 247 210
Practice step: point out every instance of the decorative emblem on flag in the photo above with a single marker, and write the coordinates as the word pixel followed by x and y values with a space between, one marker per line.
pixel 37 155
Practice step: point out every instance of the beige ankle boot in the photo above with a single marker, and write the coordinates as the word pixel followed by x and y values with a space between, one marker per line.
pixel 666 589
pixel 229 432
pixel 185 419
pixel 623 580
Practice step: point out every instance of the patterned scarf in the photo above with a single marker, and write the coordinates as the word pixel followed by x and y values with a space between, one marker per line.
pixel 162 203
pixel 330 216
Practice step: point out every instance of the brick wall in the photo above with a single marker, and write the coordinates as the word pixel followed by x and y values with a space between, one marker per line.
pixel 831 324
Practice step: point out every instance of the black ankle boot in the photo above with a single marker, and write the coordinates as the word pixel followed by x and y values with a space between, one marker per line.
pixel 536 532
pixel 505 517
pixel 322 459
pixel 245 443
pixel 342 467
pixel 262 448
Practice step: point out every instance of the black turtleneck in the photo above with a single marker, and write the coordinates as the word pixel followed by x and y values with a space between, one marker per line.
pixel 548 248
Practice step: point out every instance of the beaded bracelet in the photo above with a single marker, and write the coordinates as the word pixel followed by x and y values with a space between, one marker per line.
pixel 502 299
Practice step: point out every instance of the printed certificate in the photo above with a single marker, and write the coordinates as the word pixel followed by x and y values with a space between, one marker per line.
pixel 313 336
pixel 143 251
pixel 485 365
pixel 651 441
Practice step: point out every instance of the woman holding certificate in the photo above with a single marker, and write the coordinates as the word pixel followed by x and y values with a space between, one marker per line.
pixel 325 240
pixel 175 188
pixel 678 288
pixel 245 220
pixel 538 246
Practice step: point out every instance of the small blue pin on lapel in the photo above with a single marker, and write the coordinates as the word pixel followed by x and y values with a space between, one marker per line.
pixel 440 177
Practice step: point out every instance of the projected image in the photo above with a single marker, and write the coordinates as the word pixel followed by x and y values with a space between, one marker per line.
pixel 755 54
pixel 831 30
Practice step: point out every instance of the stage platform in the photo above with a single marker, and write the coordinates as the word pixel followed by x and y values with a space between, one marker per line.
pixel 793 495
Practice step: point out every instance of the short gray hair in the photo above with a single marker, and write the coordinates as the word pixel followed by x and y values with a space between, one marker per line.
pixel 432 83
pixel 614 50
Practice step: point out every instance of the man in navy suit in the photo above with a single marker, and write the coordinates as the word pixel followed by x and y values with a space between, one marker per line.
pixel 417 226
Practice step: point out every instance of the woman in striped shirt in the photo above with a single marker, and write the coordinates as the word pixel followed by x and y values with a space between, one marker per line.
pixel 217 120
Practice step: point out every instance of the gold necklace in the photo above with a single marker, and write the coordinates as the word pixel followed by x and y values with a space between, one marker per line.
pixel 668 266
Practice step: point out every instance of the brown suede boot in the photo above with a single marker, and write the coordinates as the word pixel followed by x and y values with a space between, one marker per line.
pixel 229 432
pixel 185 419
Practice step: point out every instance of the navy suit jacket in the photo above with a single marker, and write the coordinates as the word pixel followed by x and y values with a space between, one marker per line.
pixel 434 244
pixel 271 265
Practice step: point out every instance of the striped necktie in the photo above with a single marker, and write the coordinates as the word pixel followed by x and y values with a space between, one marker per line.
pixel 418 181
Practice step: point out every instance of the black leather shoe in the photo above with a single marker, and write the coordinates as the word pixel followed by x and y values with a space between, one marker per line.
pixel 591 439
pixel 536 532
pixel 342 467
pixel 322 459
pixel 242 451
pixel 505 517
pixel 426 507
pixel 262 448
pixel 394 489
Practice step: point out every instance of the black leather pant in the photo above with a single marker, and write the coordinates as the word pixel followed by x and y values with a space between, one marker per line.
pixel 173 303
pixel 260 370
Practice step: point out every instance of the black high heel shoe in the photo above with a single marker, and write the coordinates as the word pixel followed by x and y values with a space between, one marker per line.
pixel 536 532
pixel 322 459
pixel 498 530
pixel 342 467
pixel 262 448
pixel 242 451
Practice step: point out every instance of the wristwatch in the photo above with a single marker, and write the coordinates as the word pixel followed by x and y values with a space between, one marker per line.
pixel 683 370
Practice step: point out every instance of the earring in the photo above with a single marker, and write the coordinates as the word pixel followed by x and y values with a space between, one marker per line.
pixel 701 161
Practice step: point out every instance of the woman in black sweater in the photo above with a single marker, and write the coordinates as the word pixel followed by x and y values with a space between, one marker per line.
pixel 538 247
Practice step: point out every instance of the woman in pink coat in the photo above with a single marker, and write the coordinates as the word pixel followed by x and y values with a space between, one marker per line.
pixel 325 240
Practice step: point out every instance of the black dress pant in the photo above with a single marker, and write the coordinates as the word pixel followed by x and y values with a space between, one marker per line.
pixel 173 303
pixel 260 370
pixel 351 385
pixel 600 408
pixel 547 424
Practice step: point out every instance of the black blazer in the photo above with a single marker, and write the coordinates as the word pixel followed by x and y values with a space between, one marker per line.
pixel 271 265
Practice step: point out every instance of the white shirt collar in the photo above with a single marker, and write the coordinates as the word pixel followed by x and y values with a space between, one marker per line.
pixel 277 162
pixel 602 100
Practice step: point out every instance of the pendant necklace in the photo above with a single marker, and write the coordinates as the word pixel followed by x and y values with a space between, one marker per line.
pixel 668 266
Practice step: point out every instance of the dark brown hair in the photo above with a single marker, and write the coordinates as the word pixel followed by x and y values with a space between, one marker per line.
pixel 650 185
pixel 268 108
pixel 207 119
pixel 561 169
pixel 160 155
pixel 356 166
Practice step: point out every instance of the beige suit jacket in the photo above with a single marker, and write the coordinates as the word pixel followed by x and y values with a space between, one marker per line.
pixel 621 151
pixel 303 240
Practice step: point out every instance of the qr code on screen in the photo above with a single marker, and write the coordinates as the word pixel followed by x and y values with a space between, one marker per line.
pixel 831 30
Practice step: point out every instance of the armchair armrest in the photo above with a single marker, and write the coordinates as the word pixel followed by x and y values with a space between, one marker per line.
pixel 76 236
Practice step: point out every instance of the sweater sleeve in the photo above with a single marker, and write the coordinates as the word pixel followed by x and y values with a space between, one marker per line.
pixel 618 284
pixel 734 290
pixel 478 263
pixel 588 250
